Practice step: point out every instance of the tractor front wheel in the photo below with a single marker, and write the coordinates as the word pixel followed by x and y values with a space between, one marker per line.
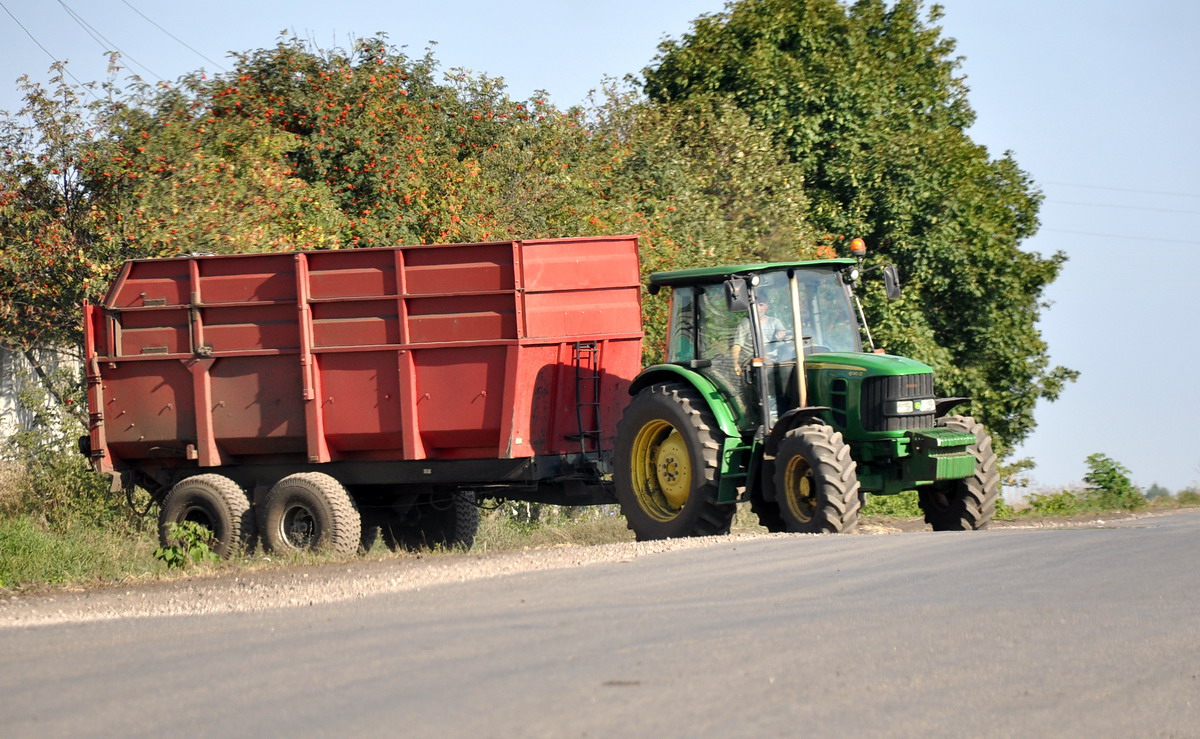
pixel 816 481
pixel 666 465
pixel 969 503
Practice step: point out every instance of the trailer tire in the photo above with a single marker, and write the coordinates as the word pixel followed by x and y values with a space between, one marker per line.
pixel 666 462
pixel 215 502
pixel 310 511
pixel 435 520
pixel 970 503
pixel 816 481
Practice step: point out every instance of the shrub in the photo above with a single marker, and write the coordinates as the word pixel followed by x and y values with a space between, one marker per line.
pixel 45 476
pixel 192 545
pixel 1189 497
pixel 1060 503
pixel 1109 484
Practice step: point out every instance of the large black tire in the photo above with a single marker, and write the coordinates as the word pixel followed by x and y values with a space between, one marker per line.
pixel 435 520
pixel 815 481
pixel 970 503
pixel 310 511
pixel 767 511
pixel 666 464
pixel 216 503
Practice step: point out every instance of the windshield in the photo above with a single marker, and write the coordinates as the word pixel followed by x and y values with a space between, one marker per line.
pixel 826 317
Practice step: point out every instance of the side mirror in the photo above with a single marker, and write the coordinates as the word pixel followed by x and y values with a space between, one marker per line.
pixel 737 295
pixel 891 282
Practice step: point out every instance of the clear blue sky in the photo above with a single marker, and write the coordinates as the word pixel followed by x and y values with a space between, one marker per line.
pixel 1098 100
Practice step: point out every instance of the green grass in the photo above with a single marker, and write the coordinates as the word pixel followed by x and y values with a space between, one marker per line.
pixel 32 553
pixel 78 551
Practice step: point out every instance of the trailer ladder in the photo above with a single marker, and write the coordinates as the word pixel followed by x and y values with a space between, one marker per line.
pixel 586 357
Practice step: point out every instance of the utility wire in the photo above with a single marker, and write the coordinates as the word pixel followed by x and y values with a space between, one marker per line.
pixel 1118 236
pixel 100 38
pixel 52 57
pixel 1122 189
pixel 177 39
pixel 1125 207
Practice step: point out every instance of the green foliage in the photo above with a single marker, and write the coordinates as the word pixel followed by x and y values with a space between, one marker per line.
pixel 1108 489
pixel 1059 503
pixel 1109 484
pixel 1189 497
pixel 46 476
pixel 867 101
pixel 192 545
pixel 901 505
pixel 72 551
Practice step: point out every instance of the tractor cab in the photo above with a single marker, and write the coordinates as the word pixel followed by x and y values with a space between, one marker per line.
pixel 744 327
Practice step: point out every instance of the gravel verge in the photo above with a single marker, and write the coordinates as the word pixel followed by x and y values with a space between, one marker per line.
pixel 249 590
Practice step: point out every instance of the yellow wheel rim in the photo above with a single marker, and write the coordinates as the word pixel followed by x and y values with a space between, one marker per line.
pixel 661 470
pixel 799 493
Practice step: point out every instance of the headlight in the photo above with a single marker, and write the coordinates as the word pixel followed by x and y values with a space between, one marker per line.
pixel 905 407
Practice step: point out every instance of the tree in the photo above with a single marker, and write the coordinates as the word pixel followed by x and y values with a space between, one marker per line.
pixel 1157 491
pixel 1109 484
pixel 866 101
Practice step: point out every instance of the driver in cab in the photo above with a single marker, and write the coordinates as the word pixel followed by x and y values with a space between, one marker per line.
pixel 774 331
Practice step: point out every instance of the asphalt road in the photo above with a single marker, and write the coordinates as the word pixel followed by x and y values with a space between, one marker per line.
pixel 1053 632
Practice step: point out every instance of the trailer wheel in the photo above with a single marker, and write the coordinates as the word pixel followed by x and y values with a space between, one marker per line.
pixel 445 519
pixel 816 481
pixel 216 503
pixel 666 462
pixel 970 503
pixel 309 511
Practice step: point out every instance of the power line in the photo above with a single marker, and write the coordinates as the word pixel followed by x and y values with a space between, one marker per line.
pixel 177 39
pixel 1122 189
pixel 47 51
pixel 1125 207
pixel 1118 236
pixel 100 38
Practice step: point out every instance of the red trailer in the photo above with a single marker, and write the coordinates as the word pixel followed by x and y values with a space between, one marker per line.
pixel 310 396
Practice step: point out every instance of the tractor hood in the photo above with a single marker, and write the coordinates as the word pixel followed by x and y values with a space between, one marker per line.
pixel 868 364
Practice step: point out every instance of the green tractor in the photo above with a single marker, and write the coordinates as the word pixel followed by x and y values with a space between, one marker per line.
pixel 767 395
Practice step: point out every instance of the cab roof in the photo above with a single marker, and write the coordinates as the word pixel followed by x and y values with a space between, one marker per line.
pixel 709 275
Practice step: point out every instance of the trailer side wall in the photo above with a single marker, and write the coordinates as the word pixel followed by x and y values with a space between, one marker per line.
pixel 471 351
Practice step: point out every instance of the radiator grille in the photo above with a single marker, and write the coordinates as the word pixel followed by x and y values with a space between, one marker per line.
pixel 876 391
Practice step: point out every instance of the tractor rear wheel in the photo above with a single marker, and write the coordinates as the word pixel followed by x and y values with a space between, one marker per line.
pixel 970 503
pixel 216 503
pixel 310 511
pixel 666 464
pixel 816 481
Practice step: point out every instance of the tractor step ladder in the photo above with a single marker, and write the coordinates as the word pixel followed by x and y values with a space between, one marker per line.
pixel 586 358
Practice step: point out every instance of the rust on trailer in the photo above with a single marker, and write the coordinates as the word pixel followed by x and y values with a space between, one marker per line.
pixel 469 351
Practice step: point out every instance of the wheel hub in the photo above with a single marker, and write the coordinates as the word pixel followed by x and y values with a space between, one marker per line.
pixel 299 527
pixel 674 473
pixel 661 470
pixel 798 493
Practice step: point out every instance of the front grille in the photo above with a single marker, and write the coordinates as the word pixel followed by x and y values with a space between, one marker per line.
pixel 877 391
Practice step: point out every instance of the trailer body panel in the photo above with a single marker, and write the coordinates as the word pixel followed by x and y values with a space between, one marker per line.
pixel 503 350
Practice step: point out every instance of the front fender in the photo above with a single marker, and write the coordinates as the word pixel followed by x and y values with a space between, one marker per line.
pixel 717 403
